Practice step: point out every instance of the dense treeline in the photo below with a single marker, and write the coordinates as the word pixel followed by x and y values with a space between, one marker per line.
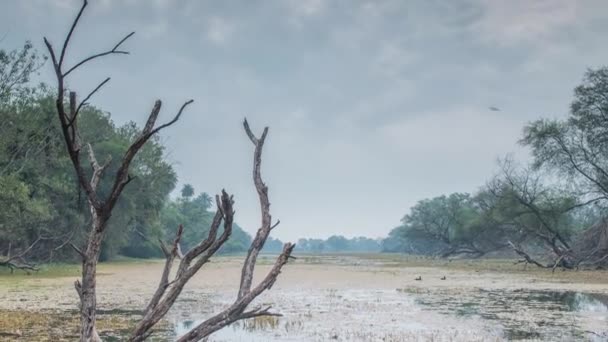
pixel 39 194
pixel 335 243
pixel 551 213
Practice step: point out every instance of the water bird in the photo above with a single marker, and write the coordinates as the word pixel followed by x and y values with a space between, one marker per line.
pixel 443 278
pixel 418 278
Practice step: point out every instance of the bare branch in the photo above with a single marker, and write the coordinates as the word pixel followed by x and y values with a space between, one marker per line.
pixel 49 47
pixel 84 102
pixel 174 120
pixel 67 241
pixel 102 54
pixel 165 297
pixel 237 310
pixel 275 225
pixel 97 169
pixel 122 177
pixel 67 39
pixel 200 255
pixel 78 250
pixel 264 230
pixel 78 288
pixel 250 134
pixel 164 280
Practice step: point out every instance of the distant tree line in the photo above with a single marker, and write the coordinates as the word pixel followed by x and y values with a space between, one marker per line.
pixel 551 213
pixel 335 243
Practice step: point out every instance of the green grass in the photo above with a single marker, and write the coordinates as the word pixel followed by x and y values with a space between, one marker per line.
pixel 52 270
pixel 380 260
pixel 56 270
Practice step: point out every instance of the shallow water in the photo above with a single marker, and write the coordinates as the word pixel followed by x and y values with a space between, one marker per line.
pixel 328 298
pixel 525 314
pixel 383 316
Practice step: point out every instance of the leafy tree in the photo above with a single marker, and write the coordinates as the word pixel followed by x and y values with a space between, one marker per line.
pixel 16 69
pixel 187 191
pixel 273 245
pixel 196 217
pixel 576 148
pixel 336 243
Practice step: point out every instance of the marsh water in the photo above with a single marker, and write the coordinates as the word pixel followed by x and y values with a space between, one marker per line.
pixel 329 298
pixel 510 315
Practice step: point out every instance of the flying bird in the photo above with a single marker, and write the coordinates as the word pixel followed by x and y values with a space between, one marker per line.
pixel 494 109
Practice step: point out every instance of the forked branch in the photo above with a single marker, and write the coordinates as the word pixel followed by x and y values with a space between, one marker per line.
pixel 246 293
pixel 167 291
pixel 69 119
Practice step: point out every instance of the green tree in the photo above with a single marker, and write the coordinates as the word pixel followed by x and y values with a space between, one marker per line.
pixel 336 243
pixel 196 218
pixel 17 68
pixel 187 191
pixel 576 148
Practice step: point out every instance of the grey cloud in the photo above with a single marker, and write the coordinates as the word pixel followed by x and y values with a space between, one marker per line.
pixel 372 105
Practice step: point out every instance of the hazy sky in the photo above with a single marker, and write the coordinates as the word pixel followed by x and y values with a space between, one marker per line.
pixel 372 105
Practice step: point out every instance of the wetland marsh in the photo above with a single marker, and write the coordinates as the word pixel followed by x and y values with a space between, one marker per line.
pixel 329 297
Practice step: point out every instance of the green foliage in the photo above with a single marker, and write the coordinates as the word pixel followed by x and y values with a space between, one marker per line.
pixel 187 191
pixel 577 147
pixel 20 213
pixel 196 217
pixel 37 182
pixel 40 195
pixel 16 69
pixel 273 245
pixel 437 224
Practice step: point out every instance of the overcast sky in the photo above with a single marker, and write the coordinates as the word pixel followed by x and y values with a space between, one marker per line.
pixel 372 105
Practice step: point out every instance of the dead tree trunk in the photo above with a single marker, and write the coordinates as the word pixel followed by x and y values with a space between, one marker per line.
pixel 101 211
pixel 100 208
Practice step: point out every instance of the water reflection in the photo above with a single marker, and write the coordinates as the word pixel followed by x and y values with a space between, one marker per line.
pixel 520 314
pixel 525 314
pixel 253 329
pixel 514 314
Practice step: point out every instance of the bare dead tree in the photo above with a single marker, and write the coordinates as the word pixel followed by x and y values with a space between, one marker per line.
pixel 101 211
pixel 168 291
pixel 100 208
